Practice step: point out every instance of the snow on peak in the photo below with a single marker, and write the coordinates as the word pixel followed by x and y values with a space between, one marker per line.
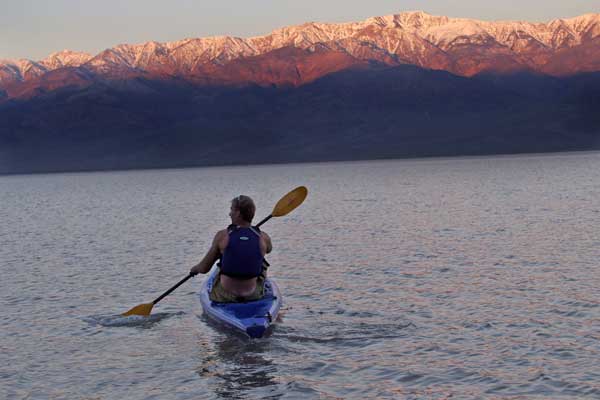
pixel 442 31
pixel 415 37
pixel 65 58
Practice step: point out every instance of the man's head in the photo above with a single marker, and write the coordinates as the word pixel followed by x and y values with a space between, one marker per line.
pixel 242 209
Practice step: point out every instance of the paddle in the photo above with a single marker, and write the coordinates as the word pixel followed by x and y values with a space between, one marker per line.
pixel 283 207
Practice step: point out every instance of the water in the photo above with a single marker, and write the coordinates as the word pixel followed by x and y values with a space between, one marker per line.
pixel 463 278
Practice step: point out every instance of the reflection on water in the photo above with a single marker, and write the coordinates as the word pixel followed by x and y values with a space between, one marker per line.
pixel 236 367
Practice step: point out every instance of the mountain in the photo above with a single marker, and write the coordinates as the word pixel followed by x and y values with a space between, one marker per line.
pixel 464 47
pixel 406 85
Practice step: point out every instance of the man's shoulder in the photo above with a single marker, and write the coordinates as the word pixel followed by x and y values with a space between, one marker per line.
pixel 221 234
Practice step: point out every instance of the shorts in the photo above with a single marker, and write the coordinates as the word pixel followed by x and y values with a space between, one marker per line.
pixel 218 293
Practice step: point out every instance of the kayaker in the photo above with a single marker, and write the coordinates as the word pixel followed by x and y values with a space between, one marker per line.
pixel 241 248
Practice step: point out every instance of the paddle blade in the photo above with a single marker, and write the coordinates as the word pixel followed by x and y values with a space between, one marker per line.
pixel 143 309
pixel 290 201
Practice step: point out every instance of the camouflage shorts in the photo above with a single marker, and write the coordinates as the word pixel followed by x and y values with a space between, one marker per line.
pixel 220 295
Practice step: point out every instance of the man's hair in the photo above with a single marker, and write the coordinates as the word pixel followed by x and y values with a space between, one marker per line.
pixel 246 207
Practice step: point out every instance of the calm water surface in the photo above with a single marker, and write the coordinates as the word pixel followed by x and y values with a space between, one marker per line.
pixel 444 278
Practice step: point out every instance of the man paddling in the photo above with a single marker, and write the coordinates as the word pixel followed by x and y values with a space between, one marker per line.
pixel 241 248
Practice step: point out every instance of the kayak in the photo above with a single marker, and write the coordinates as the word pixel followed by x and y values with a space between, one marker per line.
pixel 252 318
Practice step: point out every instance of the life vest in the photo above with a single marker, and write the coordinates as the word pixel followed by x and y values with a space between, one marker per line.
pixel 242 258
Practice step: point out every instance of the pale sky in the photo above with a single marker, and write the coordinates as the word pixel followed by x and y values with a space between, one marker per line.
pixel 35 28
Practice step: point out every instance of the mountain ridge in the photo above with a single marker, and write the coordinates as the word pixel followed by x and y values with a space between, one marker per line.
pixel 461 46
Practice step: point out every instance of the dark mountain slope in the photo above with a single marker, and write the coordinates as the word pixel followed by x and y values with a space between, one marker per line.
pixel 371 112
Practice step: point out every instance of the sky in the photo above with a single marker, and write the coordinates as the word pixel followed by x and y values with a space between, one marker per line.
pixel 35 28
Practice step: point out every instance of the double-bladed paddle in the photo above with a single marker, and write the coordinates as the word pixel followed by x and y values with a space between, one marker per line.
pixel 283 207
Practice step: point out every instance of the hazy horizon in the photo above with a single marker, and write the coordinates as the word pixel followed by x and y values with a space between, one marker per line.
pixel 33 29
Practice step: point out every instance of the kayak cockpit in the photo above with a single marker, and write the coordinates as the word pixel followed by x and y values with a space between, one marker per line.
pixel 252 318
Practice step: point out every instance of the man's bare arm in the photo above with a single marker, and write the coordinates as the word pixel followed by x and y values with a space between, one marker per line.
pixel 267 242
pixel 209 259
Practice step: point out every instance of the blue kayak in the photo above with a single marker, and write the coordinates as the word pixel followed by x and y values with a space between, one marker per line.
pixel 252 318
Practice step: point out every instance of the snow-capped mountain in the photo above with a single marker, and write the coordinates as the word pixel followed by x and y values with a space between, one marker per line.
pixel 461 46
pixel 22 70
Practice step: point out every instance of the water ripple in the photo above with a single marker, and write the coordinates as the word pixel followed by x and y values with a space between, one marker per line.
pixel 129 321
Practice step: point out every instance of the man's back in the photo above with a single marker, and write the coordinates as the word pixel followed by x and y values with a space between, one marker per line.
pixel 237 286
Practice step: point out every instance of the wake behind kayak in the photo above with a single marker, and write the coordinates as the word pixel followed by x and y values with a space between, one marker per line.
pixel 252 318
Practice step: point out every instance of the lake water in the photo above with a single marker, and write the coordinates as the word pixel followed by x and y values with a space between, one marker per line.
pixel 436 278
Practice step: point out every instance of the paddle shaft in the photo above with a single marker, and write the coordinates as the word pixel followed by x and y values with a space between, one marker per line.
pixel 173 288
pixel 264 220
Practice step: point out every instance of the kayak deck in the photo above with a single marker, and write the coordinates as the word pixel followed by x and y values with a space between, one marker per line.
pixel 252 318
